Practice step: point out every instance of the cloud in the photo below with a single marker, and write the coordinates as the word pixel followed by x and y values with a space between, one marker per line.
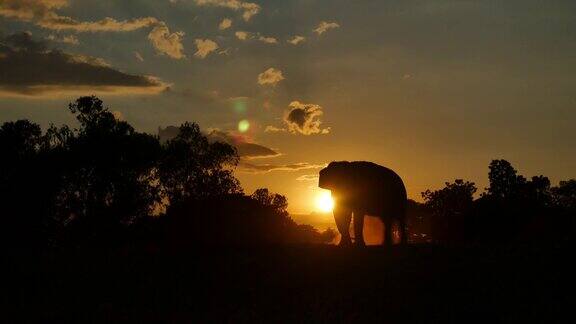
pixel 296 40
pixel 242 35
pixel 265 168
pixel 138 57
pixel 246 149
pixel 225 24
pixel 167 43
pixel 43 13
pixel 56 22
pixel 268 40
pixel 308 177
pixel 305 119
pixel 204 47
pixel 30 69
pixel 274 129
pixel 195 94
pixel 28 10
pixel 224 52
pixel 325 26
pixel 67 39
pixel 271 76
pixel 248 9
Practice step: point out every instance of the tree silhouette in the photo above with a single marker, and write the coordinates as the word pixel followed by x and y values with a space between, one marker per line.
pixel 193 168
pixel 504 181
pixel 111 166
pixel 564 195
pixel 278 202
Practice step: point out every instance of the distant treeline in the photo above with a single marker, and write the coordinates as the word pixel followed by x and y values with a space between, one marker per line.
pixel 511 210
pixel 104 184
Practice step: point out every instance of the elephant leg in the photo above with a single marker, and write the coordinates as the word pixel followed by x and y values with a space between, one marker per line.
pixel 387 232
pixel 359 228
pixel 343 218
pixel 403 237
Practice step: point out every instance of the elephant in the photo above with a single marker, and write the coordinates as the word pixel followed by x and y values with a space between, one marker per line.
pixel 365 188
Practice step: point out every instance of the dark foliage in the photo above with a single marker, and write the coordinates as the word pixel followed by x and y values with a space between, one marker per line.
pixel 100 184
pixel 511 210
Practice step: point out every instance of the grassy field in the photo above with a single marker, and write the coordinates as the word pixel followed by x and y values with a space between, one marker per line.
pixel 300 284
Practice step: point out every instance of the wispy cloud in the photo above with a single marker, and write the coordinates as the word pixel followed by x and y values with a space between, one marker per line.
pixel 268 40
pixel 274 129
pixel 138 57
pixel 324 26
pixel 265 168
pixel 249 9
pixel 244 35
pixel 296 40
pixel 44 13
pixel 66 39
pixel 308 177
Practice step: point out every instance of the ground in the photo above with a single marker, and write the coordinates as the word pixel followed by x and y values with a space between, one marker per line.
pixel 304 284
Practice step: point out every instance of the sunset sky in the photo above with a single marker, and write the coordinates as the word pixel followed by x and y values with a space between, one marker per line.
pixel 433 89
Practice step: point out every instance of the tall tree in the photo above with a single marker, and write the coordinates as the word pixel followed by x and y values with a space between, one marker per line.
pixel 194 168
pixel 505 183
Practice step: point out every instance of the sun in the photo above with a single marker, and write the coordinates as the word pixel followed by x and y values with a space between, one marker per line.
pixel 324 202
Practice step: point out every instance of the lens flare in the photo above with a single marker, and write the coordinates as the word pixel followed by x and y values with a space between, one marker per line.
pixel 324 202
pixel 243 126
pixel 240 105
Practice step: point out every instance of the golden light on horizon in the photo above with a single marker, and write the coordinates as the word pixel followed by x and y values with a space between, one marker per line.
pixel 324 202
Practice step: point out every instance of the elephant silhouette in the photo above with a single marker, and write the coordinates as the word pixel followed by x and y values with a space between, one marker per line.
pixel 365 188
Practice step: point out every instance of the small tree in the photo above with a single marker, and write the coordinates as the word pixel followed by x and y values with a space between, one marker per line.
pixel 278 202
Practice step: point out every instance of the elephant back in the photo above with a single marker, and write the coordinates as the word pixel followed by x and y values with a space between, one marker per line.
pixel 379 190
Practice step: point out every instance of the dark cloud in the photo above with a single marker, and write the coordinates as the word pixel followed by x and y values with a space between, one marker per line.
pixel 305 119
pixel 30 68
pixel 264 168
pixel 246 149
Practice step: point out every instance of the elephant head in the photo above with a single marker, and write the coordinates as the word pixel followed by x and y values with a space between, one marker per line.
pixel 339 178
pixel 333 175
pixel 336 178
